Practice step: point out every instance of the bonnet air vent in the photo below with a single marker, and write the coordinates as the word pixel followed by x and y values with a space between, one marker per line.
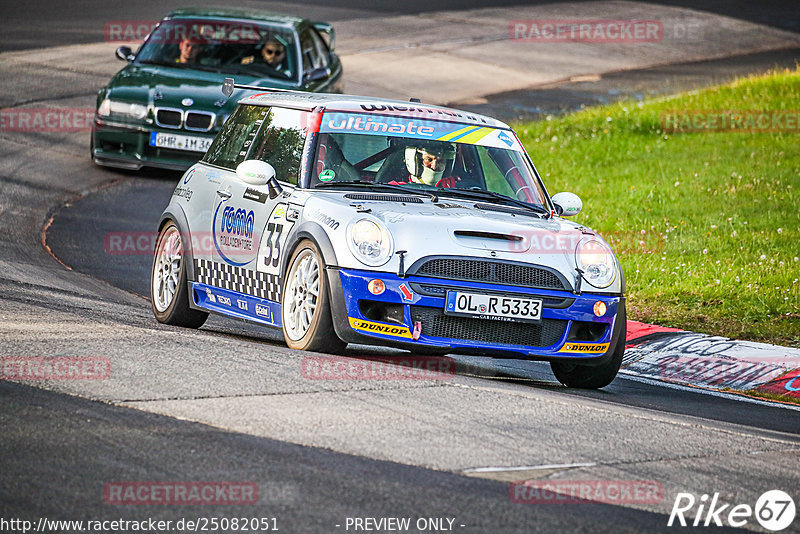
pixel 384 198
pixel 507 209
pixel 487 235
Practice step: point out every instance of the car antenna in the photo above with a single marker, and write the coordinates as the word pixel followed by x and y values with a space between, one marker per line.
pixel 229 85
pixel 415 100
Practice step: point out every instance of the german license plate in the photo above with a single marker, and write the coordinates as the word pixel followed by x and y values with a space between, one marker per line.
pixel 190 143
pixel 496 307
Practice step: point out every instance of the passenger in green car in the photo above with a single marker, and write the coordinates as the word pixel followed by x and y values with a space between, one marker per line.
pixel 273 56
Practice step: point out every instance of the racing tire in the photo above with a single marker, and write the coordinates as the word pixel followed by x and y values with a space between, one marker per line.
pixel 305 303
pixel 169 290
pixel 594 377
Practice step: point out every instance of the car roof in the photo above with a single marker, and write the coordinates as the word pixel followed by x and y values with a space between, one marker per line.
pixel 237 14
pixel 366 104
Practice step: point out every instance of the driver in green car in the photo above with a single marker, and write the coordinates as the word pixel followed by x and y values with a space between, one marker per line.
pixel 189 50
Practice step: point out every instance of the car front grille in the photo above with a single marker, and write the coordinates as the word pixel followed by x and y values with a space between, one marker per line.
pixel 196 121
pixel 437 324
pixel 169 118
pixel 493 272
pixel 201 121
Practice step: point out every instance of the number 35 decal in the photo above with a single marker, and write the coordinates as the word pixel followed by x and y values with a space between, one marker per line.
pixel 273 239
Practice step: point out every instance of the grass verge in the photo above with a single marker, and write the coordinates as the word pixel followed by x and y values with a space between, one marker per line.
pixel 706 223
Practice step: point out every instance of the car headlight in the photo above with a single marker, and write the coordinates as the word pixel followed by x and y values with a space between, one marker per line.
pixel 597 262
pixel 128 110
pixel 370 242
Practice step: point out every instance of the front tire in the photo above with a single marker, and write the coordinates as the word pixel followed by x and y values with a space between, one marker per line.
pixel 587 377
pixel 305 303
pixel 169 291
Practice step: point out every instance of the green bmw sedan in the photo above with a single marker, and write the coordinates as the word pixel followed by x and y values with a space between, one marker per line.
pixel 164 107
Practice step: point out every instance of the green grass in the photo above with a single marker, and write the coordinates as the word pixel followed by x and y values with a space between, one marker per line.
pixel 706 224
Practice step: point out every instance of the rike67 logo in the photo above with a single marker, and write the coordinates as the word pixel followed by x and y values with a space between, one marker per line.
pixel 774 510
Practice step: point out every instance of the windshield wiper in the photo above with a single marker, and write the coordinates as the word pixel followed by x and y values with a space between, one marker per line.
pixel 207 68
pixel 385 187
pixel 480 194
pixel 193 66
pixel 154 62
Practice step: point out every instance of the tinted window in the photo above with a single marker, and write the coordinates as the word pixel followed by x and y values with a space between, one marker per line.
pixel 280 143
pixel 314 50
pixel 233 141
pixel 224 46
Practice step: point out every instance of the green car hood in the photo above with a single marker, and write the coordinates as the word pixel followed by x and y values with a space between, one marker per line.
pixel 165 86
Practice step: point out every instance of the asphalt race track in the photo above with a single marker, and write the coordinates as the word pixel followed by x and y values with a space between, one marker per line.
pixel 229 402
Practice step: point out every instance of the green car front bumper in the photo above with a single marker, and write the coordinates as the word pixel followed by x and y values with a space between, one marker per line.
pixel 127 146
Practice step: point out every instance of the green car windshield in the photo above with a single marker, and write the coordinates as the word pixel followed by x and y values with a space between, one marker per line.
pixel 445 158
pixel 222 46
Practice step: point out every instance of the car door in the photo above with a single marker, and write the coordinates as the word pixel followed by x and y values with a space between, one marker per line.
pixel 280 143
pixel 249 228
pixel 228 242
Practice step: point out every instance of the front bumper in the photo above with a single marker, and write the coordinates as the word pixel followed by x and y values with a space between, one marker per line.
pixel 128 147
pixel 568 329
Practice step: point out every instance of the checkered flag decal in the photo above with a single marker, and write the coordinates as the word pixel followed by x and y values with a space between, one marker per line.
pixel 254 283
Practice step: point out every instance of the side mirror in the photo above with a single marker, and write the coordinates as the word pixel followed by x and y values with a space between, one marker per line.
pixel 327 33
pixel 567 204
pixel 124 53
pixel 257 172
pixel 317 74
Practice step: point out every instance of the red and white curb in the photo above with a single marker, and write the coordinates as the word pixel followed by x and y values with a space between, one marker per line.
pixel 711 362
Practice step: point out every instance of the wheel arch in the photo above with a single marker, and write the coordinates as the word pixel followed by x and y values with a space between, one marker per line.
pixel 174 212
pixel 314 232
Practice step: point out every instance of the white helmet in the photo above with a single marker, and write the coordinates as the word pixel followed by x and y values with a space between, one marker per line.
pixel 444 153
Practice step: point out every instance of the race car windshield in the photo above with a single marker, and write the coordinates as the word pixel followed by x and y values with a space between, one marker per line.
pixel 448 159
pixel 222 46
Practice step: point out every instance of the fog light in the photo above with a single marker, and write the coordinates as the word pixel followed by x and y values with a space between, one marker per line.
pixel 376 287
pixel 599 308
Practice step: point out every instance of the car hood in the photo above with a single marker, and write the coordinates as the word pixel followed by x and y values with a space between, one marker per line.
pixel 453 227
pixel 166 86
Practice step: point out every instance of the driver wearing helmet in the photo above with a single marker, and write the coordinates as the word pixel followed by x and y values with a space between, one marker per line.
pixel 428 163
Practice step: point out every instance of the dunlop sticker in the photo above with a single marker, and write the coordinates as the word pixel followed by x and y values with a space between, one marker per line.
pixel 585 348
pixel 380 328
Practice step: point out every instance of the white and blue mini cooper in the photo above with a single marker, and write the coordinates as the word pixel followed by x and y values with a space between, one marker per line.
pixel 345 219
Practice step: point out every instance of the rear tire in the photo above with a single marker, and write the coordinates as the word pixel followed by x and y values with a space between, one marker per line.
pixel 169 290
pixel 305 303
pixel 587 377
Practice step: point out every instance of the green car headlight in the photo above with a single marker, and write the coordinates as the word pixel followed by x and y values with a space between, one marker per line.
pixel 129 110
pixel 597 262
pixel 369 241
